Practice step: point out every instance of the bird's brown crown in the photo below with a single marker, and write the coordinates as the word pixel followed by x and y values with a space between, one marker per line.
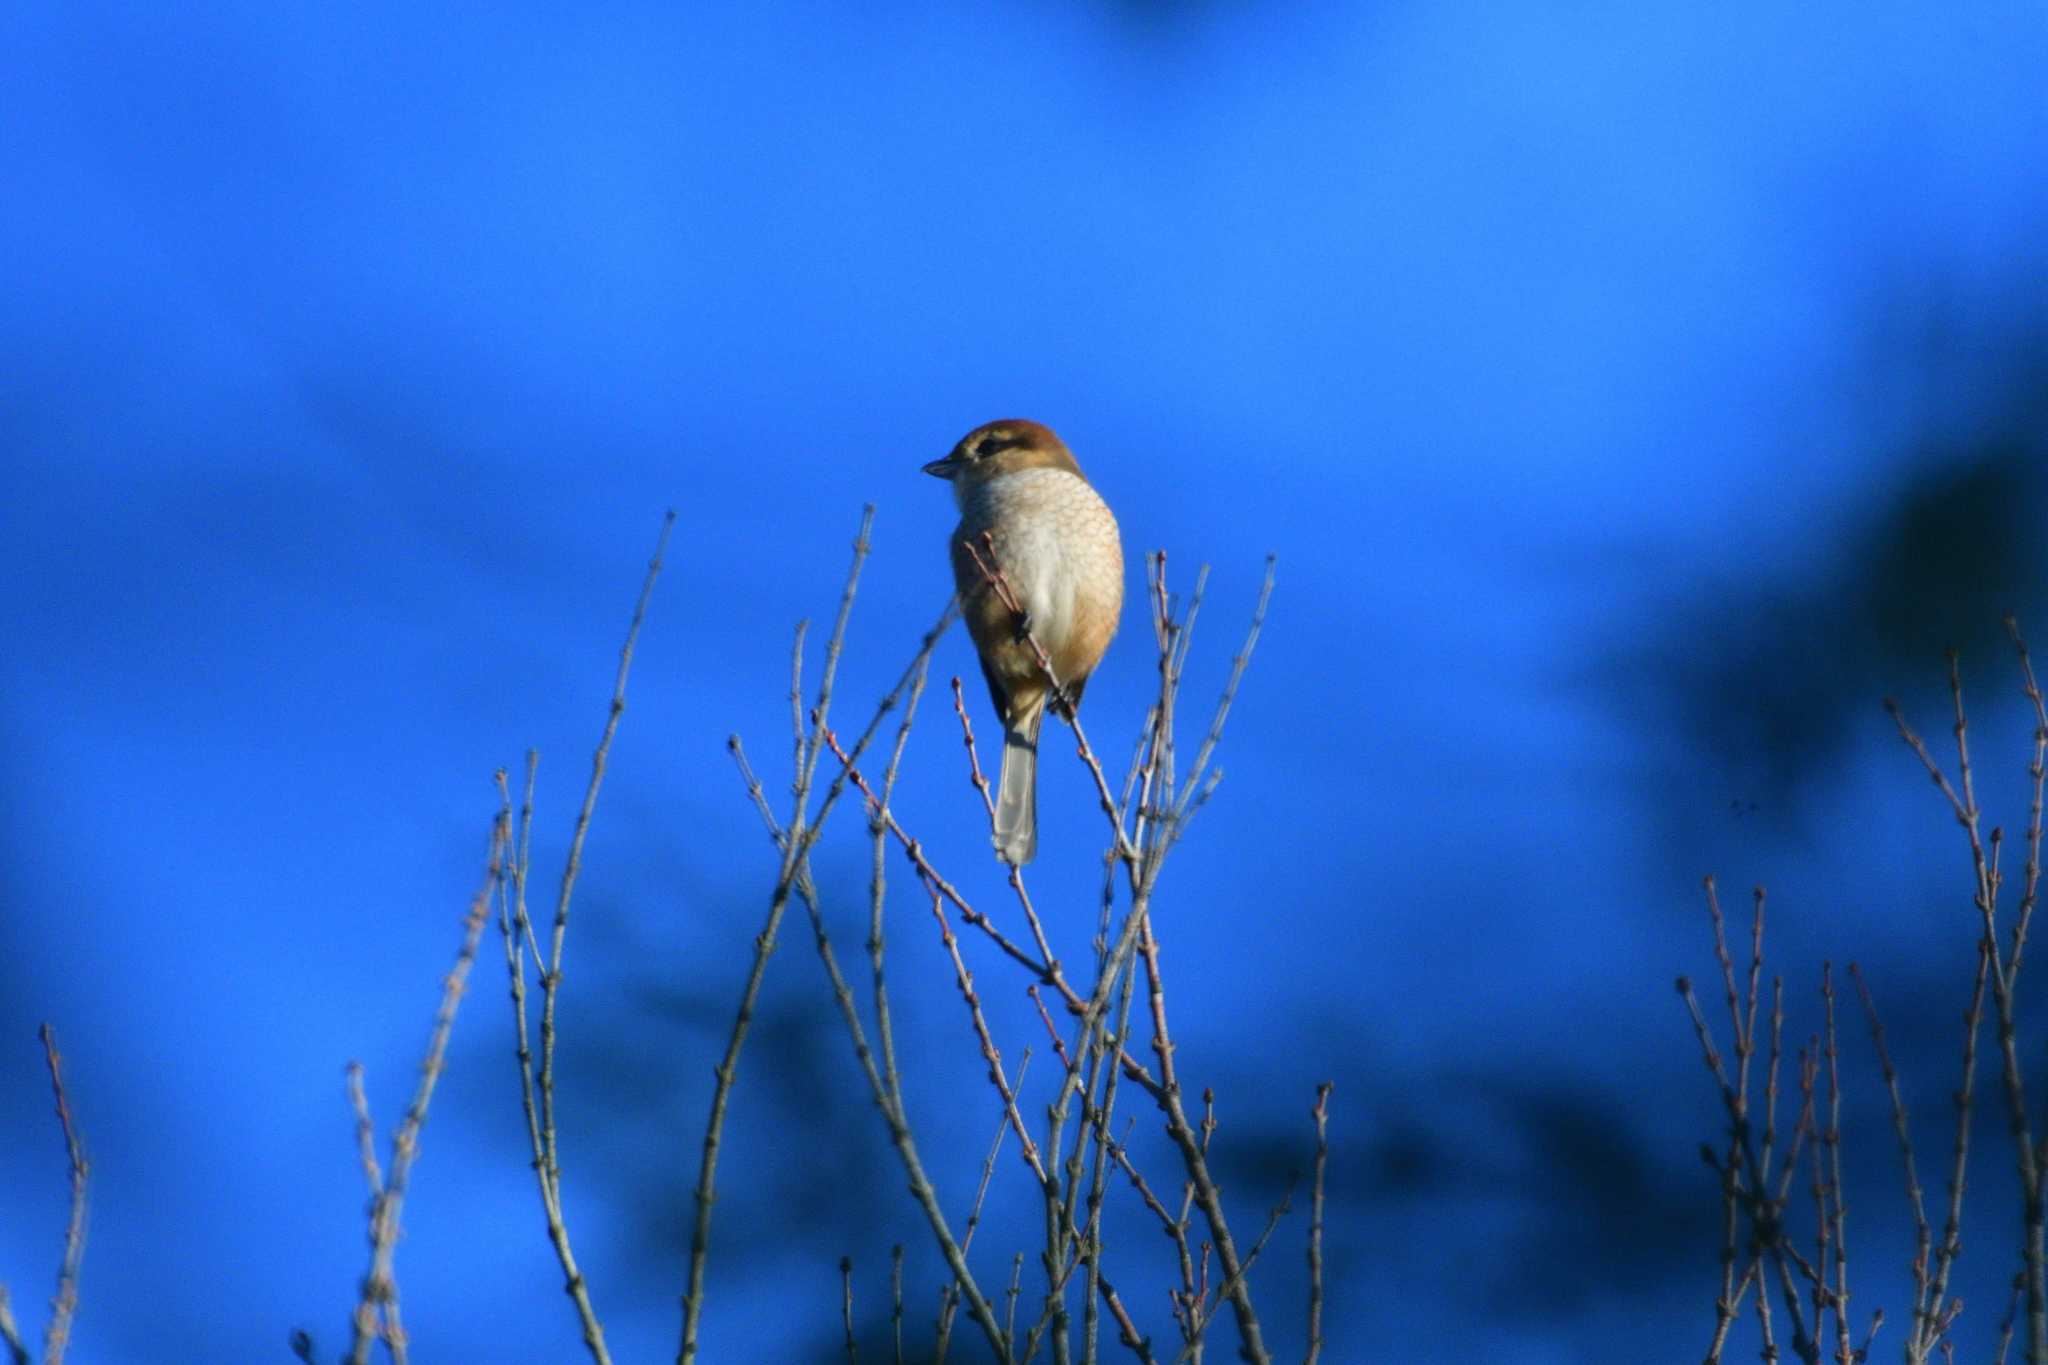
pixel 1003 447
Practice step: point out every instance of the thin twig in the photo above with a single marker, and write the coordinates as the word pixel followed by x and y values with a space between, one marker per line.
pixel 1251 1259
pixel 988 1170
pixel 2037 771
pixel 800 737
pixel 1139 767
pixel 1059 1044
pixel 64 1307
pixel 1745 1046
pixel 1923 1237
pixel 515 926
pixel 1176 1231
pixel 1238 665
pixel 1097 1124
pixel 1763 1165
pixel 1729 1305
pixel 1844 1352
pixel 1065 1245
pixel 1178 1129
pixel 975 777
pixel 10 1332
pixel 1193 1149
pixel 2012 1313
pixel 1939 1316
pixel 1010 1296
pixel 1321 1114
pixel 366 1132
pixel 551 983
pixel 896 1298
pixel 543 1125
pixel 1016 874
pixel 1139 1344
pixel 877 887
pixel 380 1283
pixel 964 980
pixel 846 1308
pixel 373 1174
pixel 1766 1334
pixel 1159 760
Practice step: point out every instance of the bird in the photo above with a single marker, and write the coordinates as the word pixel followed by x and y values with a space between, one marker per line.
pixel 1055 542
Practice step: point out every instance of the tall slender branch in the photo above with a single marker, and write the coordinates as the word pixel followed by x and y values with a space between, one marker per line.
pixel 573 864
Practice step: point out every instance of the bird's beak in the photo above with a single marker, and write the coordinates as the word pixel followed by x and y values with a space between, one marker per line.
pixel 943 469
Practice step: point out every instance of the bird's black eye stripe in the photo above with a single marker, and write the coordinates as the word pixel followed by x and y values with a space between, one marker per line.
pixel 994 443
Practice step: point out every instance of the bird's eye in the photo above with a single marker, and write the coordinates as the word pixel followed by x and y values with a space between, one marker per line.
pixel 990 444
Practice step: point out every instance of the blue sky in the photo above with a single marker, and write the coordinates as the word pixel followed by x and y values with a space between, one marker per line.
pixel 1611 383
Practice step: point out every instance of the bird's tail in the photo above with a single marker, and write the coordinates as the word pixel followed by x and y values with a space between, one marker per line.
pixel 1017 791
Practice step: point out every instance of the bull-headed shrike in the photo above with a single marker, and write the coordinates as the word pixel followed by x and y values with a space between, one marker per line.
pixel 1022 496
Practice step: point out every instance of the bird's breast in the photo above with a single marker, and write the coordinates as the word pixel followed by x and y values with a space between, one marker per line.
pixel 1057 543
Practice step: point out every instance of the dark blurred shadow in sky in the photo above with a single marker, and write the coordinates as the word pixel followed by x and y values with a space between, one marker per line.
pixel 1632 397
pixel 1771 676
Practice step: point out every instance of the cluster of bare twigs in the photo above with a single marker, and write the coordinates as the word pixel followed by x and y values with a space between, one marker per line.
pixel 1756 1172
pixel 1757 1169
pixel 1070 1160
pixel 64 1303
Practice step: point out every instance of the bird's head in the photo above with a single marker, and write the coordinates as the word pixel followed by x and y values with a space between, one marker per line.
pixel 1002 447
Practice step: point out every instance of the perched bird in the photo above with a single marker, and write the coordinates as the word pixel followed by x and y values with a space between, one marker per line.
pixel 1056 543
